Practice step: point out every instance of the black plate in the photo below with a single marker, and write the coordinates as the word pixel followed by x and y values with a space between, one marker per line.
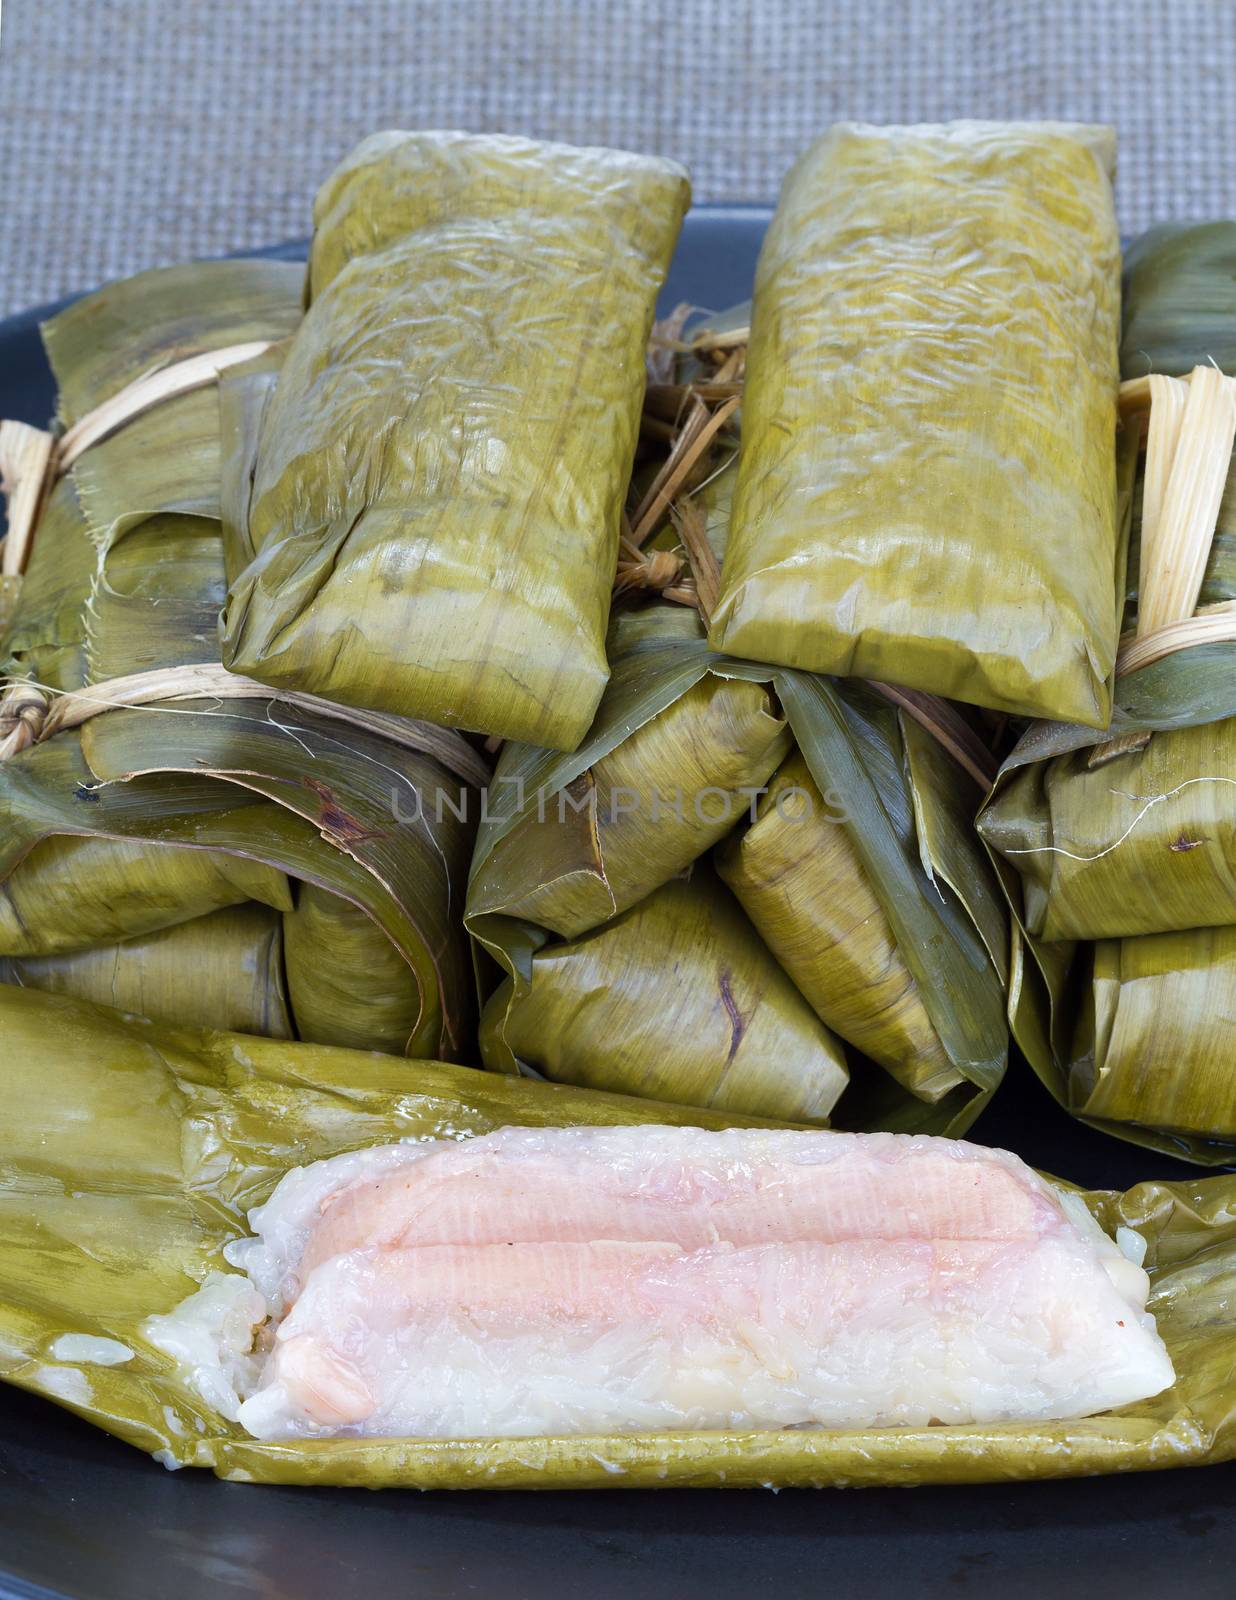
pixel 82 1515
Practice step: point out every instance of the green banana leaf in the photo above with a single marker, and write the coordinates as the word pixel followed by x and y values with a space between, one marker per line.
pixel 106 340
pixel 380 823
pixel 234 955
pixel 629 821
pixel 71 893
pixel 797 875
pixel 906 820
pixel 925 492
pixel 347 983
pixel 359 823
pixel 677 999
pixel 46 637
pixel 160 604
pixel 1180 312
pixel 1139 844
pixel 165 460
pixel 131 1164
pixel 1112 1030
pixel 1130 1035
pixel 1142 1023
pixel 127 575
pixel 447 448
pixel 1117 856
pixel 10 587
pixel 1180 300
pixel 1116 836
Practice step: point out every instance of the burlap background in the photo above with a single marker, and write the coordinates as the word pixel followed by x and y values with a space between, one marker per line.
pixel 136 132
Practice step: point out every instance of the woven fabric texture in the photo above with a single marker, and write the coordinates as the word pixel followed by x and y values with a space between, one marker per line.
pixel 138 132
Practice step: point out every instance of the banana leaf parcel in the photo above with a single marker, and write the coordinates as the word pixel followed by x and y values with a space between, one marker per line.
pixel 676 999
pixel 654 980
pixel 1137 835
pixel 131 1153
pixel 925 493
pixel 437 477
pixel 140 797
pixel 666 779
pixel 1118 851
pixel 234 955
pixel 799 878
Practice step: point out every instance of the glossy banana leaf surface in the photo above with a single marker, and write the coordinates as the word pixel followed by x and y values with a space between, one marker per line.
pixel 437 476
pixel 1132 1036
pixel 148 819
pixel 1117 836
pixel 1117 850
pixel 911 507
pixel 906 822
pixel 131 1153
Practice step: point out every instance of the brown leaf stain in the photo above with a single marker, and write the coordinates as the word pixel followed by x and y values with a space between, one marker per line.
pixel 1183 843
pixel 336 823
pixel 738 1023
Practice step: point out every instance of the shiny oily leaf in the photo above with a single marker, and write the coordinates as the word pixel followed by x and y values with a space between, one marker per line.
pixel 447 448
pixel 888 397
pixel 166 1137
pixel 676 999
pixel 232 959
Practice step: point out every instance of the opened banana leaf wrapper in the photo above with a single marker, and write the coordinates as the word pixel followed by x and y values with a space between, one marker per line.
pixel 1118 848
pixel 133 1151
pixel 171 835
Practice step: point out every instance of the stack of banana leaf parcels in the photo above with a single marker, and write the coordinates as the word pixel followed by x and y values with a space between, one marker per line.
pixel 438 698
